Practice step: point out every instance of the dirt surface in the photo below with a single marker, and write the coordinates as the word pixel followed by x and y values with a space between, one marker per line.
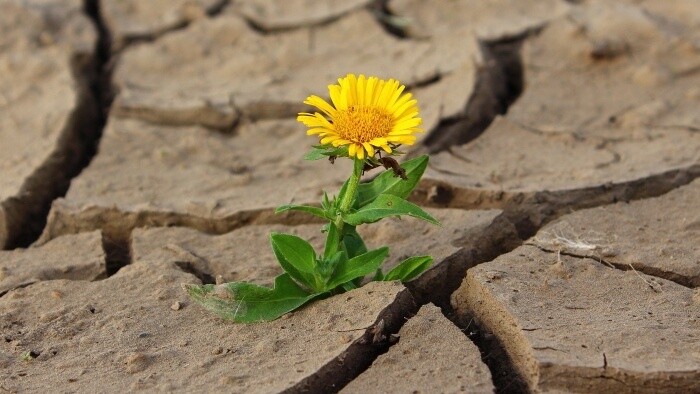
pixel 137 331
pixel 658 236
pixel 430 349
pixel 245 254
pixel 145 144
pixel 575 324
pixel 75 257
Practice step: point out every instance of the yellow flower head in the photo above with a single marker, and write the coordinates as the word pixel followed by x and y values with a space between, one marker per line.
pixel 366 113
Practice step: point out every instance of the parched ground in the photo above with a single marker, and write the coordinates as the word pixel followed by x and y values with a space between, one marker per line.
pixel 145 144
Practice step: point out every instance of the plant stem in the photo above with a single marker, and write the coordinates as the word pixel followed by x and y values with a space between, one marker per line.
pixel 345 205
pixel 350 192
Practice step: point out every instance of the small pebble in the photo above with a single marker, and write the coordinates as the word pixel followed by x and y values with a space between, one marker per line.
pixel 218 350
pixel 176 306
pixel 56 294
pixel 144 334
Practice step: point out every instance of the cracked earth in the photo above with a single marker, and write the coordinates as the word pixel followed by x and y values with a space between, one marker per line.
pixel 145 144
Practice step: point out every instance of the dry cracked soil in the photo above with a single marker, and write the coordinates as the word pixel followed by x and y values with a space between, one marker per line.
pixel 145 144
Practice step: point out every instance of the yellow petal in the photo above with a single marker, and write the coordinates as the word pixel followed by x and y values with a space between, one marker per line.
pixel 340 142
pixel 317 130
pixel 310 121
pixel 404 112
pixel 321 104
pixel 369 148
pixel 407 124
pixel 369 90
pixel 360 153
pixel 323 121
pixel 378 141
pixel 410 113
pixel 406 98
pixel 395 96
pixel 329 139
pixel 351 95
pixel 402 132
pixel 386 91
pixel 361 83
pixel 352 150
pixel 402 139
pixel 334 92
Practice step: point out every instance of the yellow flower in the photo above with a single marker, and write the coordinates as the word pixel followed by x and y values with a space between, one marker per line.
pixel 367 113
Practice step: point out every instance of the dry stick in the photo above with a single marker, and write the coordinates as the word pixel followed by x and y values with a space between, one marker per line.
pixel 644 279
pixel 578 244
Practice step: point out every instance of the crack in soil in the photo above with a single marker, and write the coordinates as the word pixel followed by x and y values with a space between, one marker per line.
pixel 506 378
pixel 498 86
pixel 26 216
pixel 391 22
pixel 530 210
pixel 376 341
pixel 651 271
pixel 117 254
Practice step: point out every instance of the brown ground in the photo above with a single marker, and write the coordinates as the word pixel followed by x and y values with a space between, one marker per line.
pixel 145 144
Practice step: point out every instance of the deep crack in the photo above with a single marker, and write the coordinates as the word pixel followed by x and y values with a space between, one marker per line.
pixel 392 23
pixel 26 216
pixel 117 253
pixel 498 84
pixel 340 371
pixel 506 378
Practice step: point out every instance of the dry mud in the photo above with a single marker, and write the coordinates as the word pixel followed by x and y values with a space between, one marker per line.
pixel 145 144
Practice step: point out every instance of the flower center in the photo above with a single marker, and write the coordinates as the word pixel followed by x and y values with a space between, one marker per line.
pixel 363 124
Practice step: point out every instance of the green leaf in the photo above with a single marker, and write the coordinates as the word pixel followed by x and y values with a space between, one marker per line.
pixel 342 191
pixel 352 241
pixel 297 257
pixel 388 183
pixel 357 267
pixel 326 203
pixel 322 151
pixel 378 276
pixel 248 303
pixel 332 240
pixel 409 269
pixel 316 211
pixel 315 154
pixel 386 205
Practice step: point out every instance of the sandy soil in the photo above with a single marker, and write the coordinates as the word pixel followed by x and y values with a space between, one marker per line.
pixel 146 144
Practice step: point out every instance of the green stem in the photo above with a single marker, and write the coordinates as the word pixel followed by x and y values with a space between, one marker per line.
pixel 350 192
pixel 343 207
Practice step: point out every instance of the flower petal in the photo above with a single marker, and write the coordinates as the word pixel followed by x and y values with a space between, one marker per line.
pixel 321 104
pixel 378 141
pixel 401 106
pixel 352 150
pixel 329 139
pixel 340 142
pixel 407 124
pixel 395 96
pixel 351 94
pixel 402 139
pixel 360 153
pixel 318 130
pixel 369 148
pixel 369 90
